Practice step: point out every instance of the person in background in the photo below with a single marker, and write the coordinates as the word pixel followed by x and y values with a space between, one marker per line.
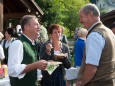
pixel 75 34
pixel 79 47
pixel 18 30
pixel 43 34
pixel 9 38
pixel 22 60
pixel 48 52
pixel 75 37
pixel 1 48
pixel 98 65
pixel 112 27
pixel 43 37
pixel 63 37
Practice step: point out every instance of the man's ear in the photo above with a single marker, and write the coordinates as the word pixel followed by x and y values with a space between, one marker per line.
pixel 26 27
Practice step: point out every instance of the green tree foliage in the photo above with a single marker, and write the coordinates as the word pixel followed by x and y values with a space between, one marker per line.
pixel 64 12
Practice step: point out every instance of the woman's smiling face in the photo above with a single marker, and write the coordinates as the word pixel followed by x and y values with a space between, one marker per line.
pixel 56 34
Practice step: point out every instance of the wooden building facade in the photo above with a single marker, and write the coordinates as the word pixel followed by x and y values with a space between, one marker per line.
pixel 11 11
pixel 108 18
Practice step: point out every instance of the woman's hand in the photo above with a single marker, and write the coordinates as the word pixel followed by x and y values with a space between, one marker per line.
pixel 48 48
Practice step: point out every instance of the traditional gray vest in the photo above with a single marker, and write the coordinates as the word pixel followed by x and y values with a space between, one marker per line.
pixel 106 68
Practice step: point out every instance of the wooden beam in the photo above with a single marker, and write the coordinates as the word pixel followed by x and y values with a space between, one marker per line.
pixel 38 8
pixel 32 6
pixel 18 15
pixel 1 15
pixel 107 18
pixel 27 5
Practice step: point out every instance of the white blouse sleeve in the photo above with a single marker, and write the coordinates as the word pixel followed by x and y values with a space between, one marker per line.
pixel 15 58
pixel 2 42
pixel 1 53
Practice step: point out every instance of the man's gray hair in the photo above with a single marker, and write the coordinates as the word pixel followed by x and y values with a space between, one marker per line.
pixel 91 8
pixel 26 19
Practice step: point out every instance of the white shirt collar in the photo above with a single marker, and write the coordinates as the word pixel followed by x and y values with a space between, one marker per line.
pixel 32 41
pixel 82 38
pixel 93 25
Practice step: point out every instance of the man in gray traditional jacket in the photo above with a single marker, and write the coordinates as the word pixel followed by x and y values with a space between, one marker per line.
pixel 98 66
